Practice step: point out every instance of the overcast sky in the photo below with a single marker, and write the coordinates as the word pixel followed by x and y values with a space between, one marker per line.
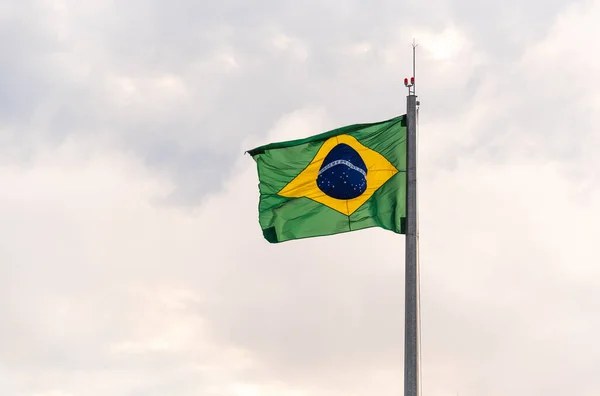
pixel 131 259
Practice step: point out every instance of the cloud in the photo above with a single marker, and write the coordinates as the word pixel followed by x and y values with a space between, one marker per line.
pixel 175 83
pixel 132 260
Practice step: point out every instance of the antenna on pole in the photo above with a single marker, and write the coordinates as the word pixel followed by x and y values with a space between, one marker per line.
pixel 410 83
pixel 414 47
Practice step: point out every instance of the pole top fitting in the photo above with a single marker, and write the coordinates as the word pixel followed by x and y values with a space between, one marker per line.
pixel 410 84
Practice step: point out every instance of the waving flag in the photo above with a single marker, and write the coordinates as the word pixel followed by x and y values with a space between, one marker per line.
pixel 347 179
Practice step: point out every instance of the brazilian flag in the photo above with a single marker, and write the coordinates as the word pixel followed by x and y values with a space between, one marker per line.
pixel 347 179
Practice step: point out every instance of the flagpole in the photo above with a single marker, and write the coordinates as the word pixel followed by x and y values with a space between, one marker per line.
pixel 412 384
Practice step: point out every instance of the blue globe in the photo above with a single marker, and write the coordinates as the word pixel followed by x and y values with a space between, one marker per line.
pixel 343 174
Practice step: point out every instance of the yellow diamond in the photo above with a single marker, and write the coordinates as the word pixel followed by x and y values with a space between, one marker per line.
pixel 379 170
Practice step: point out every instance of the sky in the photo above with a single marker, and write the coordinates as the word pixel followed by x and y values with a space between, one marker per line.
pixel 131 258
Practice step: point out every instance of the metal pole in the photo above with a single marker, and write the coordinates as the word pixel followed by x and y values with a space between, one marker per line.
pixel 411 308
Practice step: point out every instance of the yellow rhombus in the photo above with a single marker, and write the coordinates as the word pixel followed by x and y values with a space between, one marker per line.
pixel 379 171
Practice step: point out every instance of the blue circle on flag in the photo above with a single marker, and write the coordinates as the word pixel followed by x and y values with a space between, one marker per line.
pixel 343 174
